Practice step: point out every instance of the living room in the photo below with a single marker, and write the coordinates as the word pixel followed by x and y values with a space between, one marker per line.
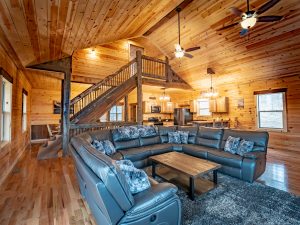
pixel 194 103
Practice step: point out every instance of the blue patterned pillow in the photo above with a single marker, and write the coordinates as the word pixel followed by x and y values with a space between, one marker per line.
pixel 108 147
pixel 137 179
pixel 244 147
pixel 174 137
pixel 98 146
pixel 232 144
pixel 184 136
pixel 128 133
pixel 147 131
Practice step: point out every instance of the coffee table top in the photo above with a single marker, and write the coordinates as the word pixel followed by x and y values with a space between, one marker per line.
pixel 186 164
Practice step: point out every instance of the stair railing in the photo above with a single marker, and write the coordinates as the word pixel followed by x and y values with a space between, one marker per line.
pixel 96 90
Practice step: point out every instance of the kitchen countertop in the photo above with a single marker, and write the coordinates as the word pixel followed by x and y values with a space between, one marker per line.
pixel 209 121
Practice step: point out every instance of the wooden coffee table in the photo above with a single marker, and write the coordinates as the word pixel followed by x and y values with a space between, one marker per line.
pixel 191 166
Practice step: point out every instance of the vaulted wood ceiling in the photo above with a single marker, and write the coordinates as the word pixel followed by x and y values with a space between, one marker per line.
pixel 44 30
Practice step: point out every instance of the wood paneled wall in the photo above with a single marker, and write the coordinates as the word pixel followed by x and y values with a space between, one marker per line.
pixel 247 116
pixel 11 152
pixel 42 102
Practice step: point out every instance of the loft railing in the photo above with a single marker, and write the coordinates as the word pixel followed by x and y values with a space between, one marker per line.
pixel 95 91
pixel 76 129
pixel 154 68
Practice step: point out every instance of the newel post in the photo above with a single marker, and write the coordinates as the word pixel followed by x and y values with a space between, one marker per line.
pixel 139 87
pixel 167 70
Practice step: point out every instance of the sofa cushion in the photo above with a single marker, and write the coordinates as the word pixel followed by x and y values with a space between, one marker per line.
pixel 98 146
pixel 184 136
pixel 147 131
pixel 197 150
pixel 144 141
pixel 125 133
pixel 192 133
pixel 161 148
pixel 101 135
pixel 127 144
pixel 225 158
pixel 260 139
pixel 209 137
pixel 174 138
pixel 245 147
pixel 232 144
pixel 137 179
pixel 135 154
pixel 163 132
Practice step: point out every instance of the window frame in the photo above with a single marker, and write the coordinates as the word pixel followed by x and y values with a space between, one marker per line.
pixel 284 110
pixel 199 109
pixel 122 113
pixel 24 114
pixel 9 79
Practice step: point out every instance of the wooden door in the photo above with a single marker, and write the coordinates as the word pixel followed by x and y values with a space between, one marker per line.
pixel 133 112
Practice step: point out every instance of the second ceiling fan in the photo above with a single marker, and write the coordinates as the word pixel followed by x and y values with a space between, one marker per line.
pixel 179 50
pixel 249 18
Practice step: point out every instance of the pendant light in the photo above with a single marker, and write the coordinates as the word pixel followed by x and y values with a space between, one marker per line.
pixel 211 92
pixel 164 97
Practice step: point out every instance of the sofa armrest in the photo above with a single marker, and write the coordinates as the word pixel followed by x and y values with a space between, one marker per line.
pixel 255 155
pixel 152 197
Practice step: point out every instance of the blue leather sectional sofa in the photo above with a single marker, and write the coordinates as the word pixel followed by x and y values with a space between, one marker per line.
pixel 105 189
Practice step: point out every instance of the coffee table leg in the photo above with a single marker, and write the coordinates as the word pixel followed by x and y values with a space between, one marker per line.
pixel 153 169
pixel 192 189
pixel 215 176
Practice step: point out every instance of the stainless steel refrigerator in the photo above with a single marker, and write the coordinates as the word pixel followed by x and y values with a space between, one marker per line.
pixel 182 116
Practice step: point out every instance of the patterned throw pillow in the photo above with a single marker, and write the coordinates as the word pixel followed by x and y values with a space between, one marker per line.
pixel 108 147
pixel 137 179
pixel 232 144
pixel 184 136
pixel 174 137
pixel 244 147
pixel 128 133
pixel 147 131
pixel 98 146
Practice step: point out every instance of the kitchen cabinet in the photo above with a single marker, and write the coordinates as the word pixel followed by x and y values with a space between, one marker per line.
pixel 167 107
pixel 193 106
pixel 147 106
pixel 219 105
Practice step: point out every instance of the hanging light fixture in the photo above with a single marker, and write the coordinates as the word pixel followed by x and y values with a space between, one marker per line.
pixel 211 92
pixel 164 97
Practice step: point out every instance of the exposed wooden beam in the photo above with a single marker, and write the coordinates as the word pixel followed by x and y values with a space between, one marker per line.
pixel 160 83
pixel 165 19
pixel 139 87
pixel 126 106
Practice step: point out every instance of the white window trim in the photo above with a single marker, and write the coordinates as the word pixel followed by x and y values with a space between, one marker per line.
pixel 117 114
pixel 280 130
pixel 24 127
pixel 198 107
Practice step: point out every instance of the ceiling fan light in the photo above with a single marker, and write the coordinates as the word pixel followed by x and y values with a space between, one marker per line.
pixel 179 54
pixel 248 22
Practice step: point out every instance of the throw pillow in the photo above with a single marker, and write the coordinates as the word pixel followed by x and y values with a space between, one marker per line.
pixel 108 147
pixel 184 136
pixel 174 137
pixel 244 147
pixel 137 179
pixel 98 146
pixel 147 131
pixel 232 144
pixel 128 133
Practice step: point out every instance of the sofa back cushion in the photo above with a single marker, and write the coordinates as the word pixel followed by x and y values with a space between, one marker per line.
pixel 144 141
pixel 101 135
pixel 148 135
pixel 105 168
pixel 163 132
pixel 209 137
pixel 260 139
pixel 126 137
pixel 192 133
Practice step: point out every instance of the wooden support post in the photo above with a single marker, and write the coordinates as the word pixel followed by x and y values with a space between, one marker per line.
pixel 61 105
pixel 66 110
pixel 167 70
pixel 139 88
pixel 126 108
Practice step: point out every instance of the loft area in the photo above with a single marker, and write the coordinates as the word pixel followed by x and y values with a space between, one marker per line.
pixel 149 112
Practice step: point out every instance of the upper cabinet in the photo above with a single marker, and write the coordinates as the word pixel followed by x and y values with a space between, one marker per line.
pixel 167 107
pixel 193 106
pixel 219 105
pixel 147 106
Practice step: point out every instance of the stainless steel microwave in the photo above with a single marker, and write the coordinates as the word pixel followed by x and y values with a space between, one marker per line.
pixel 155 109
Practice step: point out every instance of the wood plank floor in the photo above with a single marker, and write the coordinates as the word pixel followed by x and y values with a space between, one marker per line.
pixel 46 192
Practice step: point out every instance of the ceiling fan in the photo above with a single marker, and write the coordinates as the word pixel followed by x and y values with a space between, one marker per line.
pixel 249 18
pixel 179 51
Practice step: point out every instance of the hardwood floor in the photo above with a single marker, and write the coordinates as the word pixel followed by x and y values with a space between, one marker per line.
pixel 46 192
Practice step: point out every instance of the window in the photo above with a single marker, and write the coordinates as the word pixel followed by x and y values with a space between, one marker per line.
pixel 203 107
pixel 116 113
pixel 5 110
pixel 271 111
pixel 24 111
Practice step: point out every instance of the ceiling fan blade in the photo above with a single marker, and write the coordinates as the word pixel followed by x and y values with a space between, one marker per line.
pixel 236 11
pixel 267 6
pixel 192 49
pixel 243 32
pixel 188 55
pixel 269 18
pixel 228 26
